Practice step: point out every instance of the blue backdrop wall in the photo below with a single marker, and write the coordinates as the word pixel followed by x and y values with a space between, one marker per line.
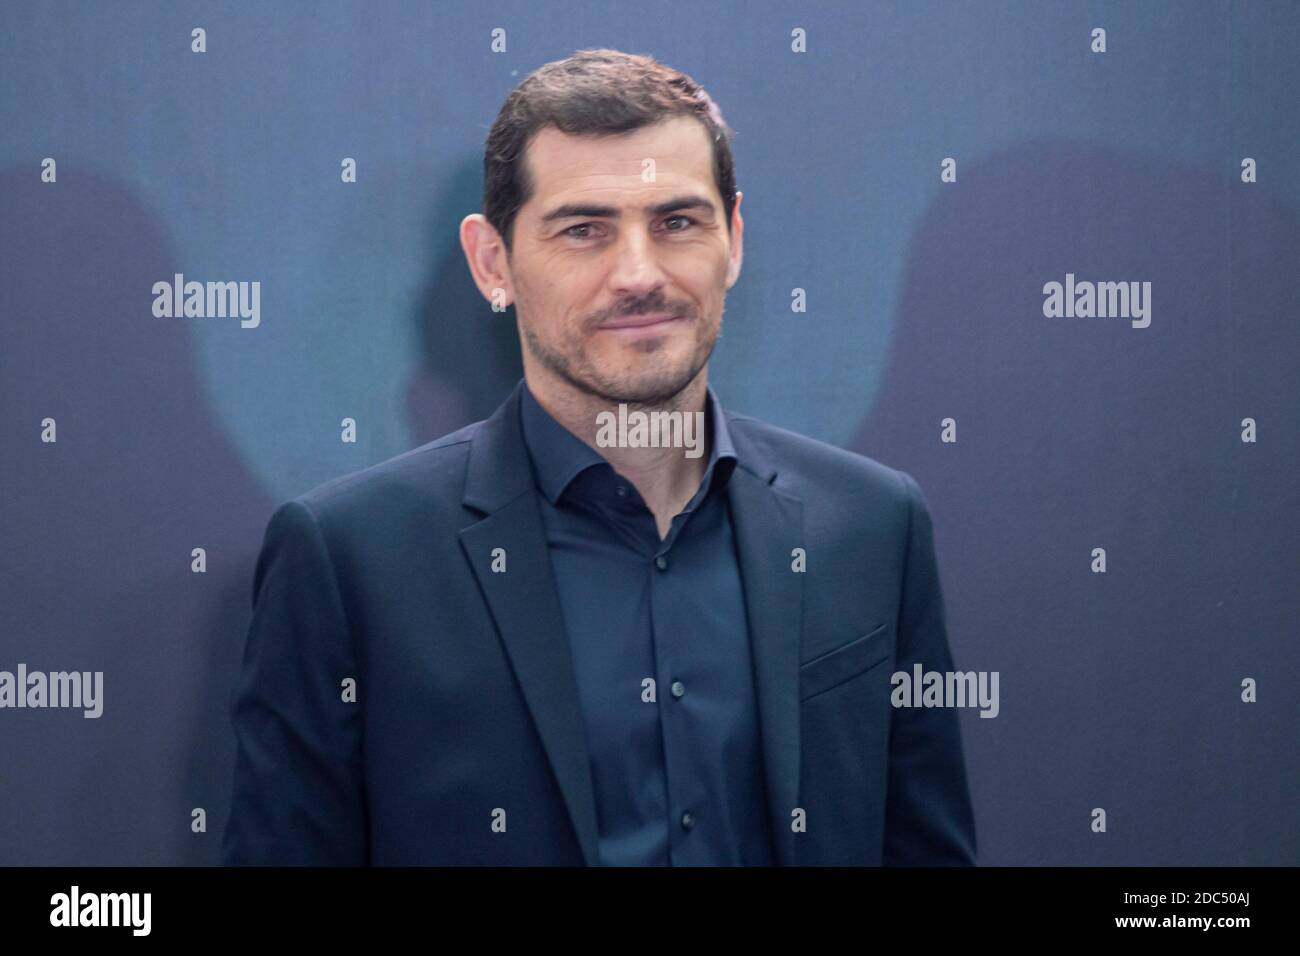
pixel 1169 158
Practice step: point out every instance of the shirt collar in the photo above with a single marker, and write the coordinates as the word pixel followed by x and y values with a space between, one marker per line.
pixel 559 456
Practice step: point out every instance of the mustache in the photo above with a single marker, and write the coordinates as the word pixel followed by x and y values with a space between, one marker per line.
pixel 641 308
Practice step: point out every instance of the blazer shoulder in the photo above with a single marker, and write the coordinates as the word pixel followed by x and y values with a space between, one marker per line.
pixel 436 469
pixel 810 466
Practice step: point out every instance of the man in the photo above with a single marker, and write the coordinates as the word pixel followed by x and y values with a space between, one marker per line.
pixel 524 644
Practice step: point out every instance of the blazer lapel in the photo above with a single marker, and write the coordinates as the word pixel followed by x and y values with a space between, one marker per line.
pixel 526 607
pixel 768 523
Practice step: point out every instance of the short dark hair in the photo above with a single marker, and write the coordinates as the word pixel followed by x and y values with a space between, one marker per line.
pixel 593 91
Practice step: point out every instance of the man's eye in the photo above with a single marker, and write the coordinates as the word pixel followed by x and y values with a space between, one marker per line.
pixel 684 219
pixel 581 225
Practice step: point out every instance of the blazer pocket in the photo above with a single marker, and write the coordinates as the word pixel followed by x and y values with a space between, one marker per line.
pixel 844 662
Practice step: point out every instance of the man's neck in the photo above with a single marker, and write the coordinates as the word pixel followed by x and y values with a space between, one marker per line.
pixel 666 478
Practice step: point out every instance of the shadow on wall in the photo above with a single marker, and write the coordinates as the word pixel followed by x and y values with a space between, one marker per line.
pixel 1122 690
pixel 98 530
pixel 470 354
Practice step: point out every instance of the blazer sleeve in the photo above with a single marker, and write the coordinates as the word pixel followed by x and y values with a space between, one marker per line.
pixel 928 816
pixel 298 795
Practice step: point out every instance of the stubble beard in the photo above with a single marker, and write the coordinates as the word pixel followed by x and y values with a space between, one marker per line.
pixel 638 388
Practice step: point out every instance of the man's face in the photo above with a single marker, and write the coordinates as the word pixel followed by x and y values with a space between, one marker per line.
pixel 620 266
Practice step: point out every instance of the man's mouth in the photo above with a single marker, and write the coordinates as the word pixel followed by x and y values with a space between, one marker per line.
pixel 654 320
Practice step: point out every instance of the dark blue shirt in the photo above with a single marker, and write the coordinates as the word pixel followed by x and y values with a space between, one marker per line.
pixel 677 779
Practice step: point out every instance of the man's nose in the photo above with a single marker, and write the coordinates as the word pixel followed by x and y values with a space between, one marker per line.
pixel 637 269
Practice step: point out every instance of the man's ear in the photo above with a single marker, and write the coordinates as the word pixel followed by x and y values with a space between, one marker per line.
pixel 737 242
pixel 485 254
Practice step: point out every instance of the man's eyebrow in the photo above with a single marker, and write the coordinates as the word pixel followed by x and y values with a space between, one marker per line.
pixel 595 211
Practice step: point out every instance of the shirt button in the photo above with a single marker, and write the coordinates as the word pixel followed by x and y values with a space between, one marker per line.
pixel 621 491
pixel 661 563
pixel 678 688
pixel 688 821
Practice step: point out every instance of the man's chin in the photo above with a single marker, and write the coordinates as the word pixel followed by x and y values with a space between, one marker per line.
pixel 644 389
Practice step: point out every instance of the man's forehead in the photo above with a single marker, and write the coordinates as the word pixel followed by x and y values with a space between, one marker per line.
pixel 679 148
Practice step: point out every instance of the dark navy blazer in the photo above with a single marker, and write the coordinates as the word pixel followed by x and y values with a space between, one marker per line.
pixel 465 742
